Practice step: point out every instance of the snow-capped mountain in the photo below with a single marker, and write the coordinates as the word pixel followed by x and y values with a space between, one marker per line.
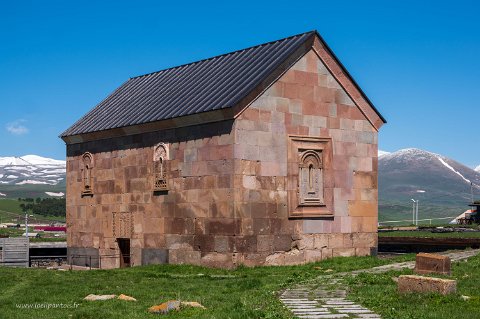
pixel 382 153
pixel 31 170
pixel 432 177
pixel 477 169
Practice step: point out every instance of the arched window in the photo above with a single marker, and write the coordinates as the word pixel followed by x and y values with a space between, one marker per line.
pixel 160 155
pixel 87 161
pixel 311 178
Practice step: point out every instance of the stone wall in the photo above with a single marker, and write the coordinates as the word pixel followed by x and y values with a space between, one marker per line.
pixel 306 101
pixel 232 184
pixel 193 218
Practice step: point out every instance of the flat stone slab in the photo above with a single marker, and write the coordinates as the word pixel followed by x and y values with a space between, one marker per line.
pixel 326 316
pixel 354 311
pixel 432 264
pixel 413 283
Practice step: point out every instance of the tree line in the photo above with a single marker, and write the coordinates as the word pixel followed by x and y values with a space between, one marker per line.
pixel 44 206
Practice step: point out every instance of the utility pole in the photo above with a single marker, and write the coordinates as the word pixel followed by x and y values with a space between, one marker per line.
pixel 413 212
pixel 471 190
pixel 26 225
pixel 417 213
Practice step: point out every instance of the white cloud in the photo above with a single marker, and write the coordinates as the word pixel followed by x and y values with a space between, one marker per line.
pixel 17 127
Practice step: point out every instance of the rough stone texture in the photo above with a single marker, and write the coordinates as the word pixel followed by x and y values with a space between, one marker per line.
pixel 232 185
pixel 152 256
pixel 432 264
pixel 84 256
pixel 412 283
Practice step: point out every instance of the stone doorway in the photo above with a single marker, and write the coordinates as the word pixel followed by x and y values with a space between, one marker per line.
pixel 124 246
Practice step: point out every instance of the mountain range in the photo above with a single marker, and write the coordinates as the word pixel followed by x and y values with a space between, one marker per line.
pixel 31 176
pixel 443 186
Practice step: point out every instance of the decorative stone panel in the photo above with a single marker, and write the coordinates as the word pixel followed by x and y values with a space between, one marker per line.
pixel 122 224
pixel 310 180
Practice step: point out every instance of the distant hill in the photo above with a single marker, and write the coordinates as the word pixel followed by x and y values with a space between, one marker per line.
pixel 31 176
pixel 442 185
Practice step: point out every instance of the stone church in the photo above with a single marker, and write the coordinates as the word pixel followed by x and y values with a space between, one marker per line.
pixel 262 156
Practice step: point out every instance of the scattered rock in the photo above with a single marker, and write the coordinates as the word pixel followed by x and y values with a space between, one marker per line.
pixel 174 305
pixel 411 283
pixel 329 270
pixel 192 304
pixel 165 307
pixel 395 279
pixel 126 298
pixel 465 298
pixel 426 263
pixel 92 297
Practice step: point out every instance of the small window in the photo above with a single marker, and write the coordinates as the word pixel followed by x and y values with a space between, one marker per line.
pixel 160 155
pixel 310 182
pixel 87 160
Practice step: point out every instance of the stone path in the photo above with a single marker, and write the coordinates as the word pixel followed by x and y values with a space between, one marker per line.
pixel 328 301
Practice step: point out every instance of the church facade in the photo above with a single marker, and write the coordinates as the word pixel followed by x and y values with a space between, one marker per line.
pixel 263 156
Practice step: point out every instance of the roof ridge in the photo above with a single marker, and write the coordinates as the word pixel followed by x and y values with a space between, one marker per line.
pixel 224 54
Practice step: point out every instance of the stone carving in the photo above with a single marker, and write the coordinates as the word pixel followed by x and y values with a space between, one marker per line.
pixel 87 160
pixel 310 177
pixel 122 224
pixel 160 155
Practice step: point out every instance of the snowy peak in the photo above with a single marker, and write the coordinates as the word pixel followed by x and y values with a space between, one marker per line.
pixel 477 169
pixel 31 169
pixel 408 154
pixel 11 160
pixel 403 173
pixel 29 160
pixel 38 160
pixel 382 153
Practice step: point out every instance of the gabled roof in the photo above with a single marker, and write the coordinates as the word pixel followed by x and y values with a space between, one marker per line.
pixel 217 83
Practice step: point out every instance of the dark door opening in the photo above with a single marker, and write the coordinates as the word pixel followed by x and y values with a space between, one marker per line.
pixel 124 245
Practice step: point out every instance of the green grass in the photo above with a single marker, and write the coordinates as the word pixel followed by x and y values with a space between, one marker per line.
pixel 10 205
pixel 10 212
pixel 16 232
pixel 378 292
pixel 427 234
pixel 241 293
pixel 394 211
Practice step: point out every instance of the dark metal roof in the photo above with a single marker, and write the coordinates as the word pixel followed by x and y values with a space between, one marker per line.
pixel 207 85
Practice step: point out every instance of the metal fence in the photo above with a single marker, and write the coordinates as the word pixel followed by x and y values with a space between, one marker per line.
pixel 14 252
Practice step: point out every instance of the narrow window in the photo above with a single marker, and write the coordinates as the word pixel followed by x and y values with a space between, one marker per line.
pixel 87 160
pixel 160 155
pixel 311 178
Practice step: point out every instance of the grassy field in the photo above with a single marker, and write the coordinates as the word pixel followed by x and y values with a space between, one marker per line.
pixel 428 234
pixel 240 293
pixel 394 211
pixel 378 292
pixel 15 232
pixel 10 212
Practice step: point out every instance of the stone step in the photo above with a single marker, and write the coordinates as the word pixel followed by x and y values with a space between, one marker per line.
pixel 354 311
pixel 326 316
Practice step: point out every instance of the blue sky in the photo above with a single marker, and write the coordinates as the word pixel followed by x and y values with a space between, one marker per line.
pixel 416 60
